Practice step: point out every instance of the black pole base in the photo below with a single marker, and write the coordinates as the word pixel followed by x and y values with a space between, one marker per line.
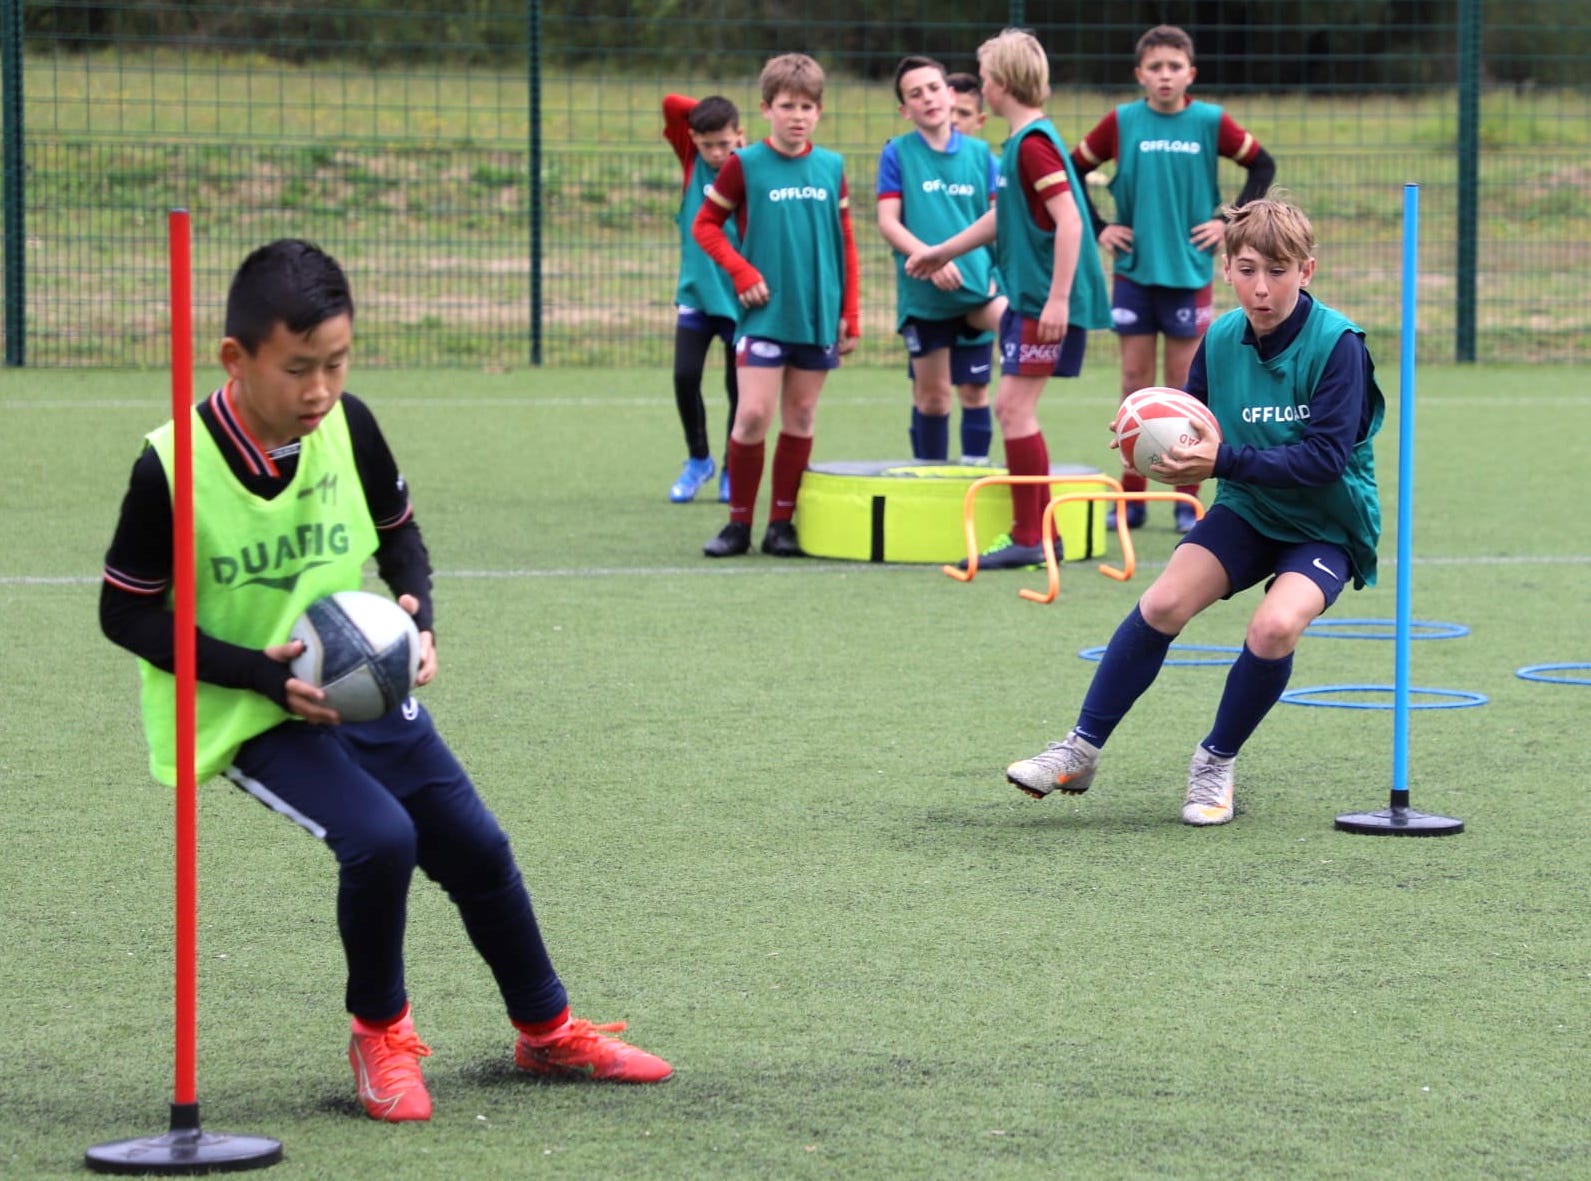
pixel 1399 822
pixel 186 1149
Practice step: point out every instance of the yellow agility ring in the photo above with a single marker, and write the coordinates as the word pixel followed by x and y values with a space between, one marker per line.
pixel 911 511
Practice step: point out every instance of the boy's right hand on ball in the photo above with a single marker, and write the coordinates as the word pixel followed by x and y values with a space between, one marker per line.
pixel 303 699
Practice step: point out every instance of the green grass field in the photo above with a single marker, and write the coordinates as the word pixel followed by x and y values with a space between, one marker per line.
pixel 762 811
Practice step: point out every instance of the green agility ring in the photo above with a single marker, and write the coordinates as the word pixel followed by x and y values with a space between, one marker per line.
pixel 911 511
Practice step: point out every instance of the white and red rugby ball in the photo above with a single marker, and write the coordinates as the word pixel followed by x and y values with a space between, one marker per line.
pixel 1152 421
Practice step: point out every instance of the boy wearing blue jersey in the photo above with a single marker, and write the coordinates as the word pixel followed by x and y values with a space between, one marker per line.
pixel 1163 241
pixel 1055 288
pixel 1294 390
pixel 294 489
pixel 797 279
pixel 932 182
pixel 702 133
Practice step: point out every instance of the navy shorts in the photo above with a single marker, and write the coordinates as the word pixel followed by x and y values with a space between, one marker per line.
pixel 758 352
pixel 924 336
pixel 389 797
pixel 1022 354
pixel 1180 312
pixel 1249 557
pixel 696 320
pixel 970 364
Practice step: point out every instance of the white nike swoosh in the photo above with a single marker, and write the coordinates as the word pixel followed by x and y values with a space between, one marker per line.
pixel 980 369
pixel 1319 565
pixel 367 1087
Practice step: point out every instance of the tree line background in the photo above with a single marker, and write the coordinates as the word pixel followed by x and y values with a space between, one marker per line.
pixel 1346 44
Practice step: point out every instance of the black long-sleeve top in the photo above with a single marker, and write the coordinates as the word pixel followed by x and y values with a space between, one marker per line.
pixel 133 610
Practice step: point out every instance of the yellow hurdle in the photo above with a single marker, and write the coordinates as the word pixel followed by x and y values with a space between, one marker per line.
pixel 1129 556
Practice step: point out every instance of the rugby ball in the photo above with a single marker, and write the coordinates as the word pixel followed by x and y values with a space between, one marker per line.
pixel 362 649
pixel 1154 420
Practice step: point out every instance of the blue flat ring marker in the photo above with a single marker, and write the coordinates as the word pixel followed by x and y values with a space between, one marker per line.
pixel 1452 698
pixel 1344 629
pixel 1229 653
pixel 1536 672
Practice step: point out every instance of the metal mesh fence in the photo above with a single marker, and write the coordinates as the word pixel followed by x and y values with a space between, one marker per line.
pixel 496 182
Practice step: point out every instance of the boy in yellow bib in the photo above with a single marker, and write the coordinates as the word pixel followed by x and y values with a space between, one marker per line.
pixel 294 489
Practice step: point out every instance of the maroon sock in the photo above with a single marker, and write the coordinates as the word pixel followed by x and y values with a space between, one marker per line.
pixel 790 455
pixel 1133 482
pixel 365 1025
pixel 542 1028
pixel 1027 457
pixel 1190 489
pixel 745 479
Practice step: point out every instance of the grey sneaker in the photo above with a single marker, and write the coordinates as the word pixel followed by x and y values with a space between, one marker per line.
pixel 1067 766
pixel 1209 789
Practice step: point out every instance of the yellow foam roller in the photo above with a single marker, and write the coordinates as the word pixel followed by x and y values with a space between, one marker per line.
pixel 910 511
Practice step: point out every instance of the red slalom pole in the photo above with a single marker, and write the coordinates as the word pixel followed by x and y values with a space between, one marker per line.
pixel 185 1092
pixel 186 1148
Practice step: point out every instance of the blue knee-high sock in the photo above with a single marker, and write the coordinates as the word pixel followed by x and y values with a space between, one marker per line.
pixel 1252 686
pixel 930 435
pixel 1130 665
pixel 977 431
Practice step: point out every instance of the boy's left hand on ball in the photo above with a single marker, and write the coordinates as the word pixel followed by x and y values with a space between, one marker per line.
pixel 1188 465
pixel 427 668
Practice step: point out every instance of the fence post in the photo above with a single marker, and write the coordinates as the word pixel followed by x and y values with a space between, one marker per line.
pixel 533 76
pixel 16 243
pixel 1469 83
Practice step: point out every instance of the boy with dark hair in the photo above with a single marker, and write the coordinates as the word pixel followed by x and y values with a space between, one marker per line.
pixel 1055 288
pixel 1297 511
pixel 966 111
pixel 703 134
pixel 797 279
pixel 1166 147
pixel 294 488
pixel 932 182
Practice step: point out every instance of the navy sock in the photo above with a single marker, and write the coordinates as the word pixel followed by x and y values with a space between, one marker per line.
pixel 930 435
pixel 1130 665
pixel 977 430
pixel 1252 686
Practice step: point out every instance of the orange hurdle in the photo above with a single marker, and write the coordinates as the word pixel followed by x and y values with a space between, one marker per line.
pixel 970 528
pixel 1128 554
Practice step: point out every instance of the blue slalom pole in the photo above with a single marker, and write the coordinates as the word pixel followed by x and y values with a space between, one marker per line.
pixel 1405 592
pixel 1398 819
